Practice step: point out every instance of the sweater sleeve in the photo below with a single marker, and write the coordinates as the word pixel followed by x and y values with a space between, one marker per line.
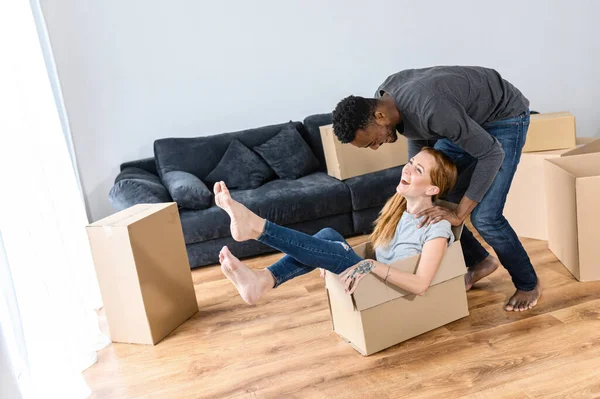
pixel 446 117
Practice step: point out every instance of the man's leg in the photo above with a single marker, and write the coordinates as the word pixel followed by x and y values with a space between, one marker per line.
pixel 489 221
pixel 477 259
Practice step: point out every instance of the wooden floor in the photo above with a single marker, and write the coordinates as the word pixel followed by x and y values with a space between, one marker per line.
pixel 285 348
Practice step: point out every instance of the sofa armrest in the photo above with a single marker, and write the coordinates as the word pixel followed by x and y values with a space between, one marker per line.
pixel 137 186
pixel 187 190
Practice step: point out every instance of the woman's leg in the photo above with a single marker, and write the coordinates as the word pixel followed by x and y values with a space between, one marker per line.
pixel 327 249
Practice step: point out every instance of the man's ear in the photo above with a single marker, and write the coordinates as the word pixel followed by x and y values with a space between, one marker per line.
pixel 433 190
pixel 380 117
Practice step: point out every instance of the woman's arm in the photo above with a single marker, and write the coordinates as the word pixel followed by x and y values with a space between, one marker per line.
pixel 418 283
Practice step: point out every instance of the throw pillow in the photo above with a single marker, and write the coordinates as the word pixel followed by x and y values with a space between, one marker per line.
pixel 240 168
pixel 288 154
pixel 187 190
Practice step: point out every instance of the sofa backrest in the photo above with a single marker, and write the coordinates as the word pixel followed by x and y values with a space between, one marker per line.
pixel 312 124
pixel 200 155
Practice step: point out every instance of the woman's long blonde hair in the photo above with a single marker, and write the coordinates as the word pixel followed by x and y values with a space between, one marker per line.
pixel 443 175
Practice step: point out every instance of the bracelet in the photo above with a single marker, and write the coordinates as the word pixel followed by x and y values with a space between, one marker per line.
pixel 387 275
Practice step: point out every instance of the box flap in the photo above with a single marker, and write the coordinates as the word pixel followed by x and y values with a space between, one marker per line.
pixel 372 291
pixel 584 165
pixel 589 148
pixel 131 215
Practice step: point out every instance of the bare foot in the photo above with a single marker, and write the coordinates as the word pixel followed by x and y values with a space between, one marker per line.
pixel 481 270
pixel 524 300
pixel 250 284
pixel 245 224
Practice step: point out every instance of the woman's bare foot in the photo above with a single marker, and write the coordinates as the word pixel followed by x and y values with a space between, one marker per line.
pixel 245 224
pixel 251 284
pixel 481 270
pixel 524 300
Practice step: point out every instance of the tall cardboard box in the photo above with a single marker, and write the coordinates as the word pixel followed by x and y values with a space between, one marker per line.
pixel 345 160
pixel 572 192
pixel 550 131
pixel 526 205
pixel 379 315
pixel 143 272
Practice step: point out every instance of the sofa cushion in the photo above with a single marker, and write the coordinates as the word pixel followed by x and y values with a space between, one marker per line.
pixel 288 154
pixel 135 186
pixel 200 155
pixel 373 189
pixel 240 168
pixel 281 201
pixel 187 190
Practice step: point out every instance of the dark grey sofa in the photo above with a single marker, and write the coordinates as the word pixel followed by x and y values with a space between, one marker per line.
pixel 307 204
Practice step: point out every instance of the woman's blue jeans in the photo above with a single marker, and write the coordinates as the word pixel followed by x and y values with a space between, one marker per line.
pixel 304 253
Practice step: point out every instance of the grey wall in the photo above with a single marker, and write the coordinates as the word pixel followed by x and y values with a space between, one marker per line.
pixel 133 71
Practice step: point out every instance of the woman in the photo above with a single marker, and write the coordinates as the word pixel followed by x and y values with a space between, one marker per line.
pixel 427 176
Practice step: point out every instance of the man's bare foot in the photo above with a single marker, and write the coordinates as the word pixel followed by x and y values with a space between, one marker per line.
pixel 245 224
pixel 251 284
pixel 524 300
pixel 481 270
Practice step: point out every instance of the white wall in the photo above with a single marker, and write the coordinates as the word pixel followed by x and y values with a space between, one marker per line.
pixel 134 71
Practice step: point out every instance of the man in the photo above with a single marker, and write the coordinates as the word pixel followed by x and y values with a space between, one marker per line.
pixel 478 119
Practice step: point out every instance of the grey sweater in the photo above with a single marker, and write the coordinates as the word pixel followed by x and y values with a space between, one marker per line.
pixel 454 102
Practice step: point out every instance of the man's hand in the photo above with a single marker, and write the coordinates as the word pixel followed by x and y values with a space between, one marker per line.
pixel 437 213
pixel 352 276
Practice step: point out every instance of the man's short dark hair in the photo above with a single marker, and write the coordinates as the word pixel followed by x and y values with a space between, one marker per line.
pixel 351 114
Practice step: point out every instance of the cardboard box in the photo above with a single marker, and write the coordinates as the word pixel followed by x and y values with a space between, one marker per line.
pixel 526 205
pixel 143 272
pixel 572 192
pixel 345 160
pixel 551 131
pixel 379 315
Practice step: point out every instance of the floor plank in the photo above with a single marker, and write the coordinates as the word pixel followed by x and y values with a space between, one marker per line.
pixel 284 346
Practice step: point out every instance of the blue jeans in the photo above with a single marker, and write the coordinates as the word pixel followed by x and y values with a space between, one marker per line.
pixel 487 216
pixel 304 253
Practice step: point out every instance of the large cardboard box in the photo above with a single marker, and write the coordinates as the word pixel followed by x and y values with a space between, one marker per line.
pixel 526 208
pixel 551 131
pixel 572 192
pixel 379 315
pixel 143 272
pixel 345 160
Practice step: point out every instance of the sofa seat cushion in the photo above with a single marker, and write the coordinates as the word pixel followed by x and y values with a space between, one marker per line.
pixel 373 189
pixel 280 201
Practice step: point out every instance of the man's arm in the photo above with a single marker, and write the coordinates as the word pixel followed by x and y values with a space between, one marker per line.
pixel 447 118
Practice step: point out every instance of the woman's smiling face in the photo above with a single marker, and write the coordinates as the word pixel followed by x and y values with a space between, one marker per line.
pixel 416 177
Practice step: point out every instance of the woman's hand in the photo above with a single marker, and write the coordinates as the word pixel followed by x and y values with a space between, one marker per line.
pixel 352 276
pixel 437 213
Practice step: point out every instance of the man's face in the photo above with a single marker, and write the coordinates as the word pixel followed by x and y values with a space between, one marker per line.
pixel 375 134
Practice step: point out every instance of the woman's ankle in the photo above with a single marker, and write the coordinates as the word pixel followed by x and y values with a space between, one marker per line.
pixel 258 226
pixel 267 280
